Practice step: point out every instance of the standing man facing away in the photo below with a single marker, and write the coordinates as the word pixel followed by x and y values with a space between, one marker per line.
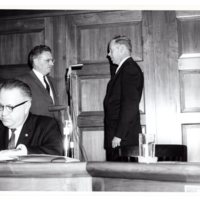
pixel 44 94
pixel 121 103
pixel 21 132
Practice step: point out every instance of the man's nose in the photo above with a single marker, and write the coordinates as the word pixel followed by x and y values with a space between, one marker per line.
pixel 4 112
pixel 51 62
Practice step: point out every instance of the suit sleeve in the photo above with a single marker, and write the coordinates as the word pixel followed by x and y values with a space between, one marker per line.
pixel 49 140
pixel 130 99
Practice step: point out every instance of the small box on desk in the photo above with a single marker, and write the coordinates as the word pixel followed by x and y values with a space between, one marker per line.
pixel 142 159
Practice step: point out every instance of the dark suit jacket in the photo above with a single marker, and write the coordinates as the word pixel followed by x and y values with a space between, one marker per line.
pixel 121 105
pixel 40 134
pixel 41 100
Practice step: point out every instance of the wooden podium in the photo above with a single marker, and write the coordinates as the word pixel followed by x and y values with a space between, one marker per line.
pixel 100 176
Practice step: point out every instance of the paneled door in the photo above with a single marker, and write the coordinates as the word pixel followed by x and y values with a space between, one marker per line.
pixel 93 32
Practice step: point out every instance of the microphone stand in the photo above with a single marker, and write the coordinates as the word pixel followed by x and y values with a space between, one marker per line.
pixel 71 107
pixel 71 136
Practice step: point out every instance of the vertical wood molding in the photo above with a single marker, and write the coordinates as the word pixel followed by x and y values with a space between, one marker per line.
pixel 55 37
pixel 149 72
pixel 49 36
pixel 167 104
pixel 71 42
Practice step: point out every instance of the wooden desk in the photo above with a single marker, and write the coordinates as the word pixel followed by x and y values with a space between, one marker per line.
pixel 100 176
pixel 44 177
pixel 158 177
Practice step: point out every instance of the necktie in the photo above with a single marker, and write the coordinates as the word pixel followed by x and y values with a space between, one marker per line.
pixel 11 143
pixel 47 85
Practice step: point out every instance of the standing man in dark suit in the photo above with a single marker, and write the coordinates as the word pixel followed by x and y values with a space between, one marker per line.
pixel 44 94
pixel 121 103
pixel 21 132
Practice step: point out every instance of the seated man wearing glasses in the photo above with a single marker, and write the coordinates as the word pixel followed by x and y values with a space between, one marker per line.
pixel 21 132
pixel 44 94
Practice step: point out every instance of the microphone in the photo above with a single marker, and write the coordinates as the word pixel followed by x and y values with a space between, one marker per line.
pixel 70 68
pixel 73 67
pixel 76 66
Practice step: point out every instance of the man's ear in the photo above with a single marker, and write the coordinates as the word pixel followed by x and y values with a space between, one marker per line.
pixel 35 61
pixel 28 106
pixel 122 49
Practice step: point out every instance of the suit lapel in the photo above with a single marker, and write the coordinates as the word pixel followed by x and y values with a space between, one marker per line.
pixel 38 82
pixel 52 88
pixel 113 80
pixel 26 132
pixel 116 76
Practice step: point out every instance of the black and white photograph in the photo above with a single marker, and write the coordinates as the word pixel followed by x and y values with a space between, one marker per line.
pixel 100 99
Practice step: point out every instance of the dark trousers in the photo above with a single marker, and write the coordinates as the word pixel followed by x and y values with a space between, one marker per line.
pixel 112 154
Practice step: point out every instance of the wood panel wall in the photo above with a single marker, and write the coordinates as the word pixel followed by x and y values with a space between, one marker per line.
pixel 18 37
pixel 166 45
pixel 55 37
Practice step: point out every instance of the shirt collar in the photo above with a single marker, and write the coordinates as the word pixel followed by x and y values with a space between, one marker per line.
pixel 38 74
pixel 120 64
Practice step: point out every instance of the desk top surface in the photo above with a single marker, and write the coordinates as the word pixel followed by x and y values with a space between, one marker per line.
pixel 173 171
pixel 161 171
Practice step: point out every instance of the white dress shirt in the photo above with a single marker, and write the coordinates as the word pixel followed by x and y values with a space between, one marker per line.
pixel 40 77
pixel 21 147
pixel 17 133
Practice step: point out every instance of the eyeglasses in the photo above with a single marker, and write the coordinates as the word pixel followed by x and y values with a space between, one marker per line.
pixel 10 109
pixel 50 60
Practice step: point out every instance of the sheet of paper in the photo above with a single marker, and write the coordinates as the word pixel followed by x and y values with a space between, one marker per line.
pixel 46 158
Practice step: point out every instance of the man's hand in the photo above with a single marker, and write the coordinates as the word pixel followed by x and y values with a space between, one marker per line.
pixel 116 142
pixel 21 150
